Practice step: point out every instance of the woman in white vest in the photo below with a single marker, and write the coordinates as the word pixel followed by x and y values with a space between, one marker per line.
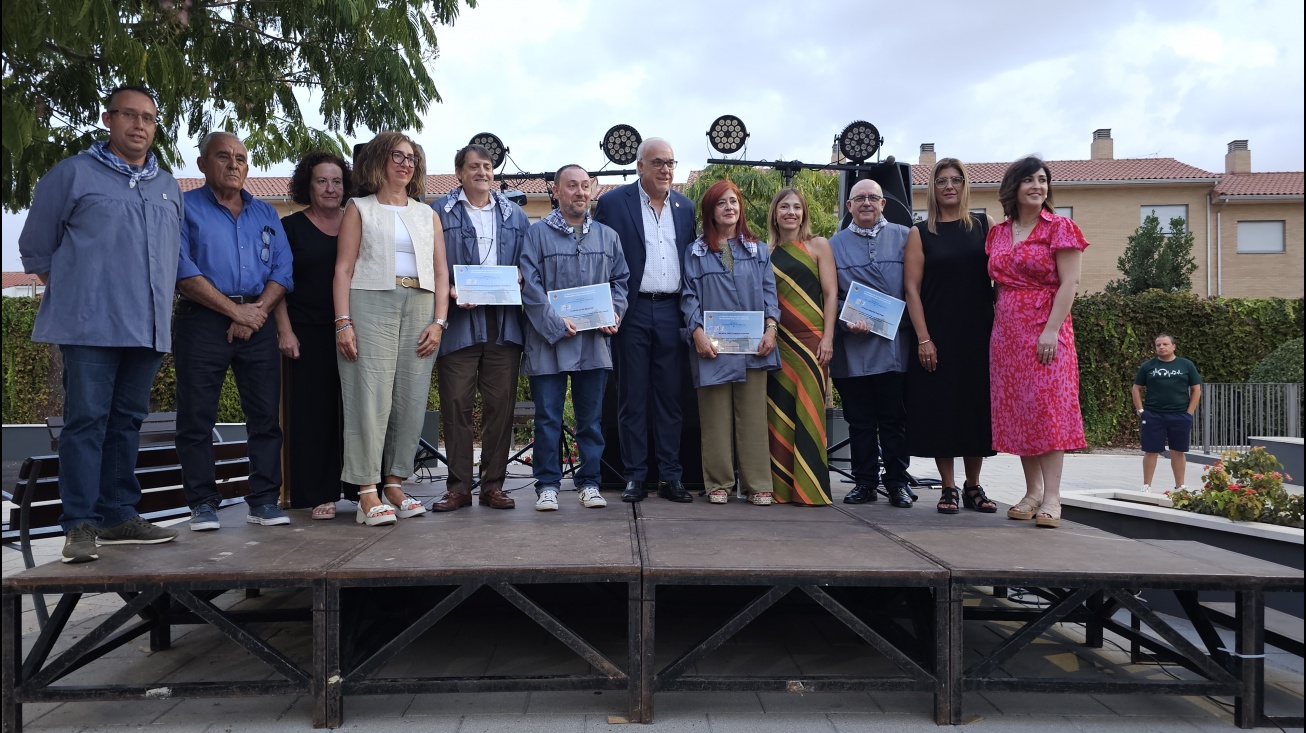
pixel 391 293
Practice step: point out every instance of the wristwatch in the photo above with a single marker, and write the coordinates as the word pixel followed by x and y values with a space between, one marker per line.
pixel 442 323
pixel 1139 412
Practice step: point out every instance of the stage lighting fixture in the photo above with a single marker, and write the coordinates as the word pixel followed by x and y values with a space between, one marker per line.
pixel 620 144
pixel 859 141
pixel 727 134
pixel 492 143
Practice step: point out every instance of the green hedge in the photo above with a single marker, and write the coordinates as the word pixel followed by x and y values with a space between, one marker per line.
pixel 1226 338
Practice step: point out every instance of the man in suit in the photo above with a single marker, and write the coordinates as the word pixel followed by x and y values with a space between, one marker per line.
pixel 656 226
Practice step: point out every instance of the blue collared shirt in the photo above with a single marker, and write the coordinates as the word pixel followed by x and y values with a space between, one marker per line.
pixel 238 255
pixel 111 251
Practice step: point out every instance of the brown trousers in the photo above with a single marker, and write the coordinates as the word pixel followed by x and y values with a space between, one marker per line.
pixel 492 369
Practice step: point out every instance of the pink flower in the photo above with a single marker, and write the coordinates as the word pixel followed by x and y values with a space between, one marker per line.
pixel 1258 476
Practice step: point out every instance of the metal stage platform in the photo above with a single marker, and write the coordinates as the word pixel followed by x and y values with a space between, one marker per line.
pixel 642 595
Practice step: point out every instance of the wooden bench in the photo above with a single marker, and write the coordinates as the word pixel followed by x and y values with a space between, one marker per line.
pixel 37 506
pixel 158 428
pixel 1282 630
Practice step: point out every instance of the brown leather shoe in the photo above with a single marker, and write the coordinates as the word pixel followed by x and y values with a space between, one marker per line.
pixel 496 499
pixel 452 500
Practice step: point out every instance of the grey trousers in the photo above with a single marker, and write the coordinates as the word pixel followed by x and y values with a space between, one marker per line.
pixel 385 390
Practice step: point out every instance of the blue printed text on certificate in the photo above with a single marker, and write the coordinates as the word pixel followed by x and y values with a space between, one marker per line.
pixel 587 307
pixel 879 312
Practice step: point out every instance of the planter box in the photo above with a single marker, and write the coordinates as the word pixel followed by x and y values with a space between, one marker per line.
pixel 1148 516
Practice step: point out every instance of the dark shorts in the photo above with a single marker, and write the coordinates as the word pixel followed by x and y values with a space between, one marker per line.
pixel 1161 428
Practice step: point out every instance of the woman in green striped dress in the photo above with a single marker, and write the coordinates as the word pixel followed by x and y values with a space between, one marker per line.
pixel 807 285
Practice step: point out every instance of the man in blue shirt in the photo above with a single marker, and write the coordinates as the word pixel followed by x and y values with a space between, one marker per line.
pixel 233 270
pixel 102 236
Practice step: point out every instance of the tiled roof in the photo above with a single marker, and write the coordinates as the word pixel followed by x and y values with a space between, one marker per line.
pixel 1288 183
pixel 437 184
pixel 14 279
pixel 1083 171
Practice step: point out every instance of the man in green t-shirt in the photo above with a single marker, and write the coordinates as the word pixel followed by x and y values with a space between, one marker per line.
pixel 1173 389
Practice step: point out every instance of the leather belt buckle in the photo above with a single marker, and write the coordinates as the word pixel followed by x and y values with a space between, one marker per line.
pixel 406 282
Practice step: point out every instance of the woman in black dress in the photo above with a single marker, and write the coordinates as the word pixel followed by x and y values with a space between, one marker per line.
pixel 305 328
pixel 950 301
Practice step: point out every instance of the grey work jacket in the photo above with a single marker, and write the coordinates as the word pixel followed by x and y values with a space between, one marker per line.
pixel 878 263
pixel 709 286
pixel 467 325
pixel 551 260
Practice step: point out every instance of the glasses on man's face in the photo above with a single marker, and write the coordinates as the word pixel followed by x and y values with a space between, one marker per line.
pixel 660 163
pixel 944 181
pixel 131 116
pixel 400 158
pixel 867 198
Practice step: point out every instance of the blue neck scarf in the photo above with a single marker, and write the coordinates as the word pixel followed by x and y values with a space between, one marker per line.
pixel 136 173
pixel 556 222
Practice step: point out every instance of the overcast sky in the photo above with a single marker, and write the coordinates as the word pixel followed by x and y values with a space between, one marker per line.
pixel 984 82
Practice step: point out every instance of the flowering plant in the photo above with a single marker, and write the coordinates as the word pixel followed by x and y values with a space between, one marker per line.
pixel 1244 487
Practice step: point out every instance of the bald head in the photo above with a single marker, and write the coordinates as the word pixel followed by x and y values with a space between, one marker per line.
pixel 866 203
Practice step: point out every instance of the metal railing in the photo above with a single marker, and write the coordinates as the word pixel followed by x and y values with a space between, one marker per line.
pixel 1230 413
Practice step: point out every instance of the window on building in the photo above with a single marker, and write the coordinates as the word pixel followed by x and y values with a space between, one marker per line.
pixel 1066 211
pixel 1260 237
pixel 1165 214
pixel 919 214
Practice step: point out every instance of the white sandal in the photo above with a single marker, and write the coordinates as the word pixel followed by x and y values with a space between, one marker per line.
pixel 380 514
pixel 718 496
pixel 408 507
pixel 761 498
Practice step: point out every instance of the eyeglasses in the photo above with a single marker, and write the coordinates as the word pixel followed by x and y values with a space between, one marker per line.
pixel 131 116
pixel 398 157
pixel 954 180
pixel 660 163
pixel 867 198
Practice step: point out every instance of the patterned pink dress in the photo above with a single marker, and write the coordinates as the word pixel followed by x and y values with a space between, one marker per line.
pixel 1035 407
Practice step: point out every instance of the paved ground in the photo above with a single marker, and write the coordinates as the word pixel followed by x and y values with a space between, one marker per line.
pixel 202 650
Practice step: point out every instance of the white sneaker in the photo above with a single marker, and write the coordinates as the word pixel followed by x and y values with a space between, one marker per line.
pixel 591 499
pixel 1147 488
pixel 547 501
pixel 1181 488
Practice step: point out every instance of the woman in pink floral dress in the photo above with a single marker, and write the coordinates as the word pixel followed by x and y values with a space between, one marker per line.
pixel 1034 257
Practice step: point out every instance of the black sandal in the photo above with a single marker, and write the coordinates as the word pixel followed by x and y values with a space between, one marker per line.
pixel 948 502
pixel 973 497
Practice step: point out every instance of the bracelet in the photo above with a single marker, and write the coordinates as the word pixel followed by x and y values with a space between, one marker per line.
pixel 773 326
pixel 345 317
pixel 926 341
pixel 347 325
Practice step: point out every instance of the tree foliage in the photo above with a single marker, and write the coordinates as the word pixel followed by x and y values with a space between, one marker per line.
pixel 1153 260
pixel 759 185
pixel 231 65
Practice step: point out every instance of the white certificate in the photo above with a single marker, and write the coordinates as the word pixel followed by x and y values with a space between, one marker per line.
pixel 486 285
pixel 870 307
pixel 734 332
pixel 587 307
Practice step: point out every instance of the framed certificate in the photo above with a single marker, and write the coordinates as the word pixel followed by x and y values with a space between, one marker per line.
pixel 869 306
pixel 486 285
pixel 587 307
pixel 734 332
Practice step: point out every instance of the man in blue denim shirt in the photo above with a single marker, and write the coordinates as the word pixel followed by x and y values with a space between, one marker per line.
pixel 233 269
pixel 102 235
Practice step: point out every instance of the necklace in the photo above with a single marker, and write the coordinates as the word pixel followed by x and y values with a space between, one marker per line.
pixel 1022 230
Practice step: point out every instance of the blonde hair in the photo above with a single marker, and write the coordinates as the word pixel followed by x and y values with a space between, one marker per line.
pixel 369 171
pixel 932 203
pixel 773 226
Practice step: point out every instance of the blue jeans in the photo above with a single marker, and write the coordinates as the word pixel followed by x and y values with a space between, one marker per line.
pixel 106 398
pixel 550 393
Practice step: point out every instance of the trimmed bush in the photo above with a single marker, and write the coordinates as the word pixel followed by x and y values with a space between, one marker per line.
pixel 1283 365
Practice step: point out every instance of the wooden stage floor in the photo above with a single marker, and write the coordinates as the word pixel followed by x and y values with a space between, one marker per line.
pixel 642 595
